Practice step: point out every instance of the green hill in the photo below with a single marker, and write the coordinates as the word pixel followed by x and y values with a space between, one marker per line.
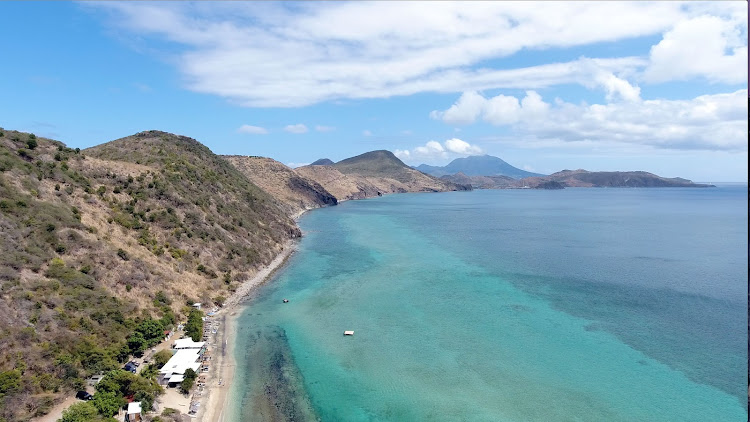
pixel 379 163
pixel 102 249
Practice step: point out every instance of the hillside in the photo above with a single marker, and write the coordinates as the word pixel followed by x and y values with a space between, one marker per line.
pixel 97 244
pixel 382 166
pixel 633 179
pixel 294 192
pixel 477 165
pixel 344 187
pixel 322 162
pixel 577 178
pixel 482 182
pixel 373 173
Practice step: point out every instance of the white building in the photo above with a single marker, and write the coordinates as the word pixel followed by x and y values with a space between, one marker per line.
pixel 134 412
pixel 174 369
pixel 188 343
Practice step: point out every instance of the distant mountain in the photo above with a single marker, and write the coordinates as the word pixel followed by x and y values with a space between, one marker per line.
pixel 371 174
pixel 574 178
pixel 482 182
pixel 477 165
pixel 379 163
pixel 322 162
pixel 605 179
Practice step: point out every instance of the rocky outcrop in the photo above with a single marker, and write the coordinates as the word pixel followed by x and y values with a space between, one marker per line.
pixel 294 192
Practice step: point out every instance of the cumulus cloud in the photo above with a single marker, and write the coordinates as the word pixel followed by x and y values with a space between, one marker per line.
pixel 706 46
pixel 498 110
pixel 273 55
pixel 433 150
pixel 252 130
pixel 298 128
pixel 707 122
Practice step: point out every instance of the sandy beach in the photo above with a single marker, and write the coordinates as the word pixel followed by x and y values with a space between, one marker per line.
pixel 221 375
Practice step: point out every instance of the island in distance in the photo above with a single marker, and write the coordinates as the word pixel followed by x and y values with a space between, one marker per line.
pixel 488 172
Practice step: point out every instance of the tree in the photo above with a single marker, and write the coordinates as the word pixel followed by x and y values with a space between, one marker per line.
pixel 137 343
pixel 10 381
pixel 152 331
pixel 31 142
pixel 194 326
pixel 186 385
pixel 149 372
pixel 162 357
pixel 80 412
pixel 107 403
pixel 190 374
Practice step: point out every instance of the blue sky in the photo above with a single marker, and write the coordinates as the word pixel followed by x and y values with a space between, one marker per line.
pixel 655 86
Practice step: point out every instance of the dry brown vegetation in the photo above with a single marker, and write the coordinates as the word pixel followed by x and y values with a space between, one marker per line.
pixel 98 244
pixel 294 192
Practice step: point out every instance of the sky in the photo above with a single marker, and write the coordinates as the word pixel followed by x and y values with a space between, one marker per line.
pixel 653 86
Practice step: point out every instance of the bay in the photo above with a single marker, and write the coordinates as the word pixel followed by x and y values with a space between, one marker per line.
pixel 514 305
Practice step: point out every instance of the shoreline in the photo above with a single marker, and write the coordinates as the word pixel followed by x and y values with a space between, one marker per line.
pixel 221 375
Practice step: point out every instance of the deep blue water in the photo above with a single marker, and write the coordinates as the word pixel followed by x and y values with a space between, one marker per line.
pixel 508 305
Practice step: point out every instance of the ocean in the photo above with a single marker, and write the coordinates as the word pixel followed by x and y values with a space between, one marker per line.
pixel 506 305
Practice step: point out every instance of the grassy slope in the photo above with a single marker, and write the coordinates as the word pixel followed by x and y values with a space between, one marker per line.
pixel 95 241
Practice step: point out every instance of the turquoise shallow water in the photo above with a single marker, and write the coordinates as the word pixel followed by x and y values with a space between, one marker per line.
pixel 581 305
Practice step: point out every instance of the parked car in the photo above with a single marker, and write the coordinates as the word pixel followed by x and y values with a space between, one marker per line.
pixel 84 395
pixel 129 367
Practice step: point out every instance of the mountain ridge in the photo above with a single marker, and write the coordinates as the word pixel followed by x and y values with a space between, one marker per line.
pixel 477 165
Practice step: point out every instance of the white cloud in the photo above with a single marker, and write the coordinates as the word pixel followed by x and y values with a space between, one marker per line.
pixel 707 122
pixel 321 128
pixel 275 55
pixel 460 147
pixel 253 130
pixel 706 46
pixel 466 110
pixel 433 150
pixel 499 110
pixel 298 128
pixel 366 133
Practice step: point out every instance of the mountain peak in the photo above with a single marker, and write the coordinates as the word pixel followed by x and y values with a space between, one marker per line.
pixel 322 162
pixel 477 165
pixel 373 163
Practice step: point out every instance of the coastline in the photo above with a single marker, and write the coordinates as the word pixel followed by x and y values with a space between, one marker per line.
pixel 221 375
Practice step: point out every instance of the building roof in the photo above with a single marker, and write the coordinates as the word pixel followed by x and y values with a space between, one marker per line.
pixel 188 343
pixel 176 378
pixel 180 361
pixel 134 407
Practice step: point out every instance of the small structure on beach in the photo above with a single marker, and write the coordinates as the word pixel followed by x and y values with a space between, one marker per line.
pixel 348 333
pixel 134 412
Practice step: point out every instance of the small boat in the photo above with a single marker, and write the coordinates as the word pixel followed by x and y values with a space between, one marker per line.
pixel 286 300
pixel 348 333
